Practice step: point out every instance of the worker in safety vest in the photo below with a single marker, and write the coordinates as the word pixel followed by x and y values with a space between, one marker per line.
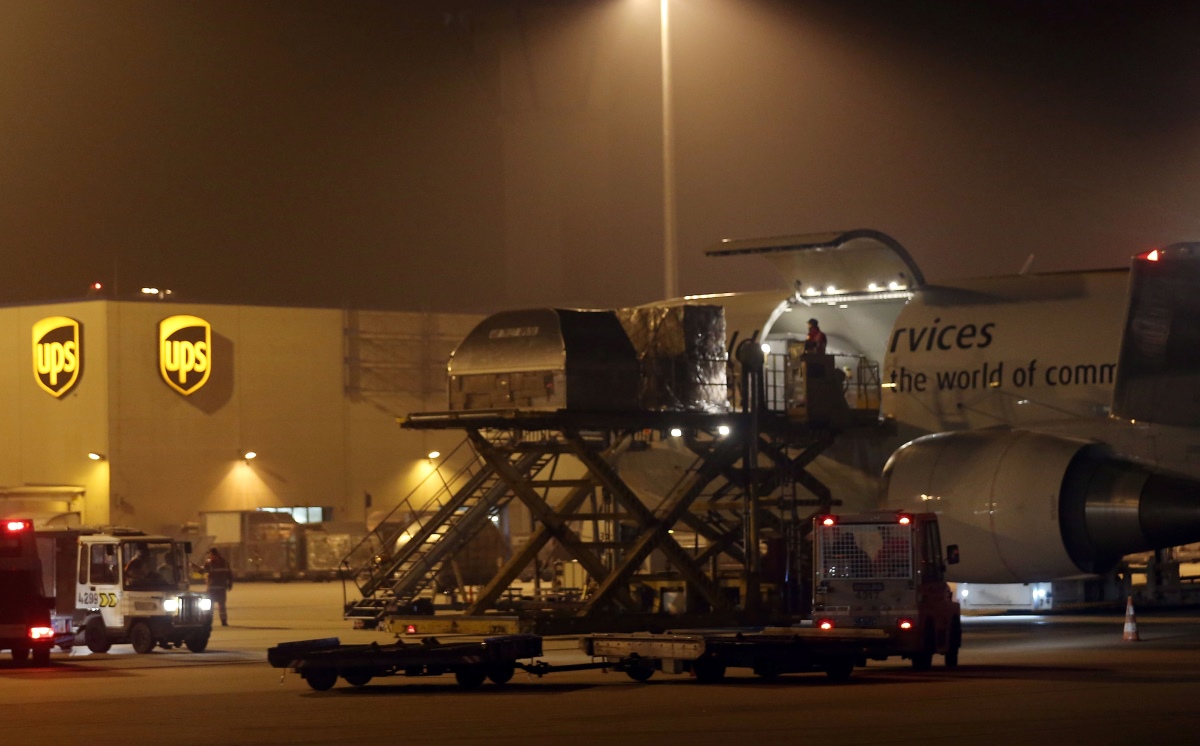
pixel 219 579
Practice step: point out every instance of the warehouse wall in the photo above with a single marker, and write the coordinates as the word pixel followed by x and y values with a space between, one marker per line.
pixel 44 441
pixel 277 385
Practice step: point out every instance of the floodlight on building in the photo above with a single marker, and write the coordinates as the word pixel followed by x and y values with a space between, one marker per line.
pixel 676 432
pixel 723 430
pixel 149 291
pixel 96 456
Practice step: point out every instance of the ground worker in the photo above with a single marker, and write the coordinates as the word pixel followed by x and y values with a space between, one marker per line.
pixel 815 342
pixel 219 579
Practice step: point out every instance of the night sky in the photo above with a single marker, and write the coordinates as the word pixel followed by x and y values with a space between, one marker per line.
pixel 484 155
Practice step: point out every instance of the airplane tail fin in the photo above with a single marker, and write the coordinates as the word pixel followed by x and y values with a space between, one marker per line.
pixel 1158 371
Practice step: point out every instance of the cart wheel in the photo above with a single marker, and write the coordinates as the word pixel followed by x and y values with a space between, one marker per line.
pixel 708 670
pixel 639 672
pixel 20 655
pixel 141 637
pixel 501 673
pixel 320 679
pixel 41 656
pixel 470 678
pixel 840 671
pixel 96 637
pixel 357 676
pixel 197 643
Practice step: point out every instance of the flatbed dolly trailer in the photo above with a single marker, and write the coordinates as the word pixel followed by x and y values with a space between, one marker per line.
pixel 768 652
pixel 321 662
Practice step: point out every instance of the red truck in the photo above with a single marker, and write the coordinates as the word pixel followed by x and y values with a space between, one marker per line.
pixel 25 626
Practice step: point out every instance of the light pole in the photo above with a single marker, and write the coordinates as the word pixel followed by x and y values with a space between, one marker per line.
pixel 670 262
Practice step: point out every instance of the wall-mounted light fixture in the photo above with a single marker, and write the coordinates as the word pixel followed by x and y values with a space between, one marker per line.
pixel 249 455
pixel 434 454
pixel 96 456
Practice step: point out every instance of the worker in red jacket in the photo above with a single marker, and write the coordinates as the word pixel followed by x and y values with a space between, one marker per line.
pixel 815 343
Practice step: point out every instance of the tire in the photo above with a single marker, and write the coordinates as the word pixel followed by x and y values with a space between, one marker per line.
pixel 923 660
pixel 708 670
pixel 840 672
pixel 955 644
pixel 320 679
pixel 95 636
pixel 470 678
pixel 197 643
pixel 20 655
pixel 639 672
pixel 501 673
pixel 142 638
pixel 358 676
pixel 41 656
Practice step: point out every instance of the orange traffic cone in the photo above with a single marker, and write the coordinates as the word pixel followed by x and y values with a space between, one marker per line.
pixel 1131 633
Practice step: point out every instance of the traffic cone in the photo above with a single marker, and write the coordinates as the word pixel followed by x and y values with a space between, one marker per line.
pixel 1131 633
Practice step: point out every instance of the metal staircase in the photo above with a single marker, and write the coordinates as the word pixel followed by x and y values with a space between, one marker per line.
pixel 404 554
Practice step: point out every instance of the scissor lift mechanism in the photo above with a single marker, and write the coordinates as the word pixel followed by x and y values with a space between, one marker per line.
pixel 515 456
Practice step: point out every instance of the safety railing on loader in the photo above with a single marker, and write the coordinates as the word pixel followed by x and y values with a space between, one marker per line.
pixel 367 565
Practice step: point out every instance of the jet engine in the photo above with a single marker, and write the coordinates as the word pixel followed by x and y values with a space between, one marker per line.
pixel 1027 506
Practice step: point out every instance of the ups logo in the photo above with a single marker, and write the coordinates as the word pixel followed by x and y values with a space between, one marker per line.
pixel 56 354
pixel 184 352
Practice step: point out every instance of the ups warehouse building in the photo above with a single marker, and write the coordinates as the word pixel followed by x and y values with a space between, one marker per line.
pixel 145 414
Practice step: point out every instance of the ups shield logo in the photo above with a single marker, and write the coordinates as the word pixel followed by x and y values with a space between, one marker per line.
pixel 184 352
pixel 56 354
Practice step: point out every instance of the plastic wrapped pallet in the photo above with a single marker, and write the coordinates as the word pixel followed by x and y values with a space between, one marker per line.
pixel 681 351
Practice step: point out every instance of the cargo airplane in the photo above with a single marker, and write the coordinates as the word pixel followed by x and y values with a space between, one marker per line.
pixel 1052 420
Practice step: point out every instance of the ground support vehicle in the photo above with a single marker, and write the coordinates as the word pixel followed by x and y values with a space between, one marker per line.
pixel 122 586
pixel 886 571
pixel 768 652
pixel 321 662
pixel 25 625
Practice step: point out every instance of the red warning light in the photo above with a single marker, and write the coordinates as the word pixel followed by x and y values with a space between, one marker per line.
pixel 1152 256
pixel 410 629
pixel 827 520
pixel 905 624
pixel 904 520
pixel 825 624
pixel 40 633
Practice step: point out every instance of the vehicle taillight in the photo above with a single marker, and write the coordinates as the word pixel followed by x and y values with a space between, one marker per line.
pixel 905 624
pixel 410 629
pixel 1151 256
pixel 17 525
pixel 825 624
pixel 41 633
pixel 827 520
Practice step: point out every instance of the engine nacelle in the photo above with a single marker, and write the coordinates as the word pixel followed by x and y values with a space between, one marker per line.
pixel 1028 507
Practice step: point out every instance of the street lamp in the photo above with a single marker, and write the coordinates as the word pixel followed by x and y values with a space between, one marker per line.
pixel 670 260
